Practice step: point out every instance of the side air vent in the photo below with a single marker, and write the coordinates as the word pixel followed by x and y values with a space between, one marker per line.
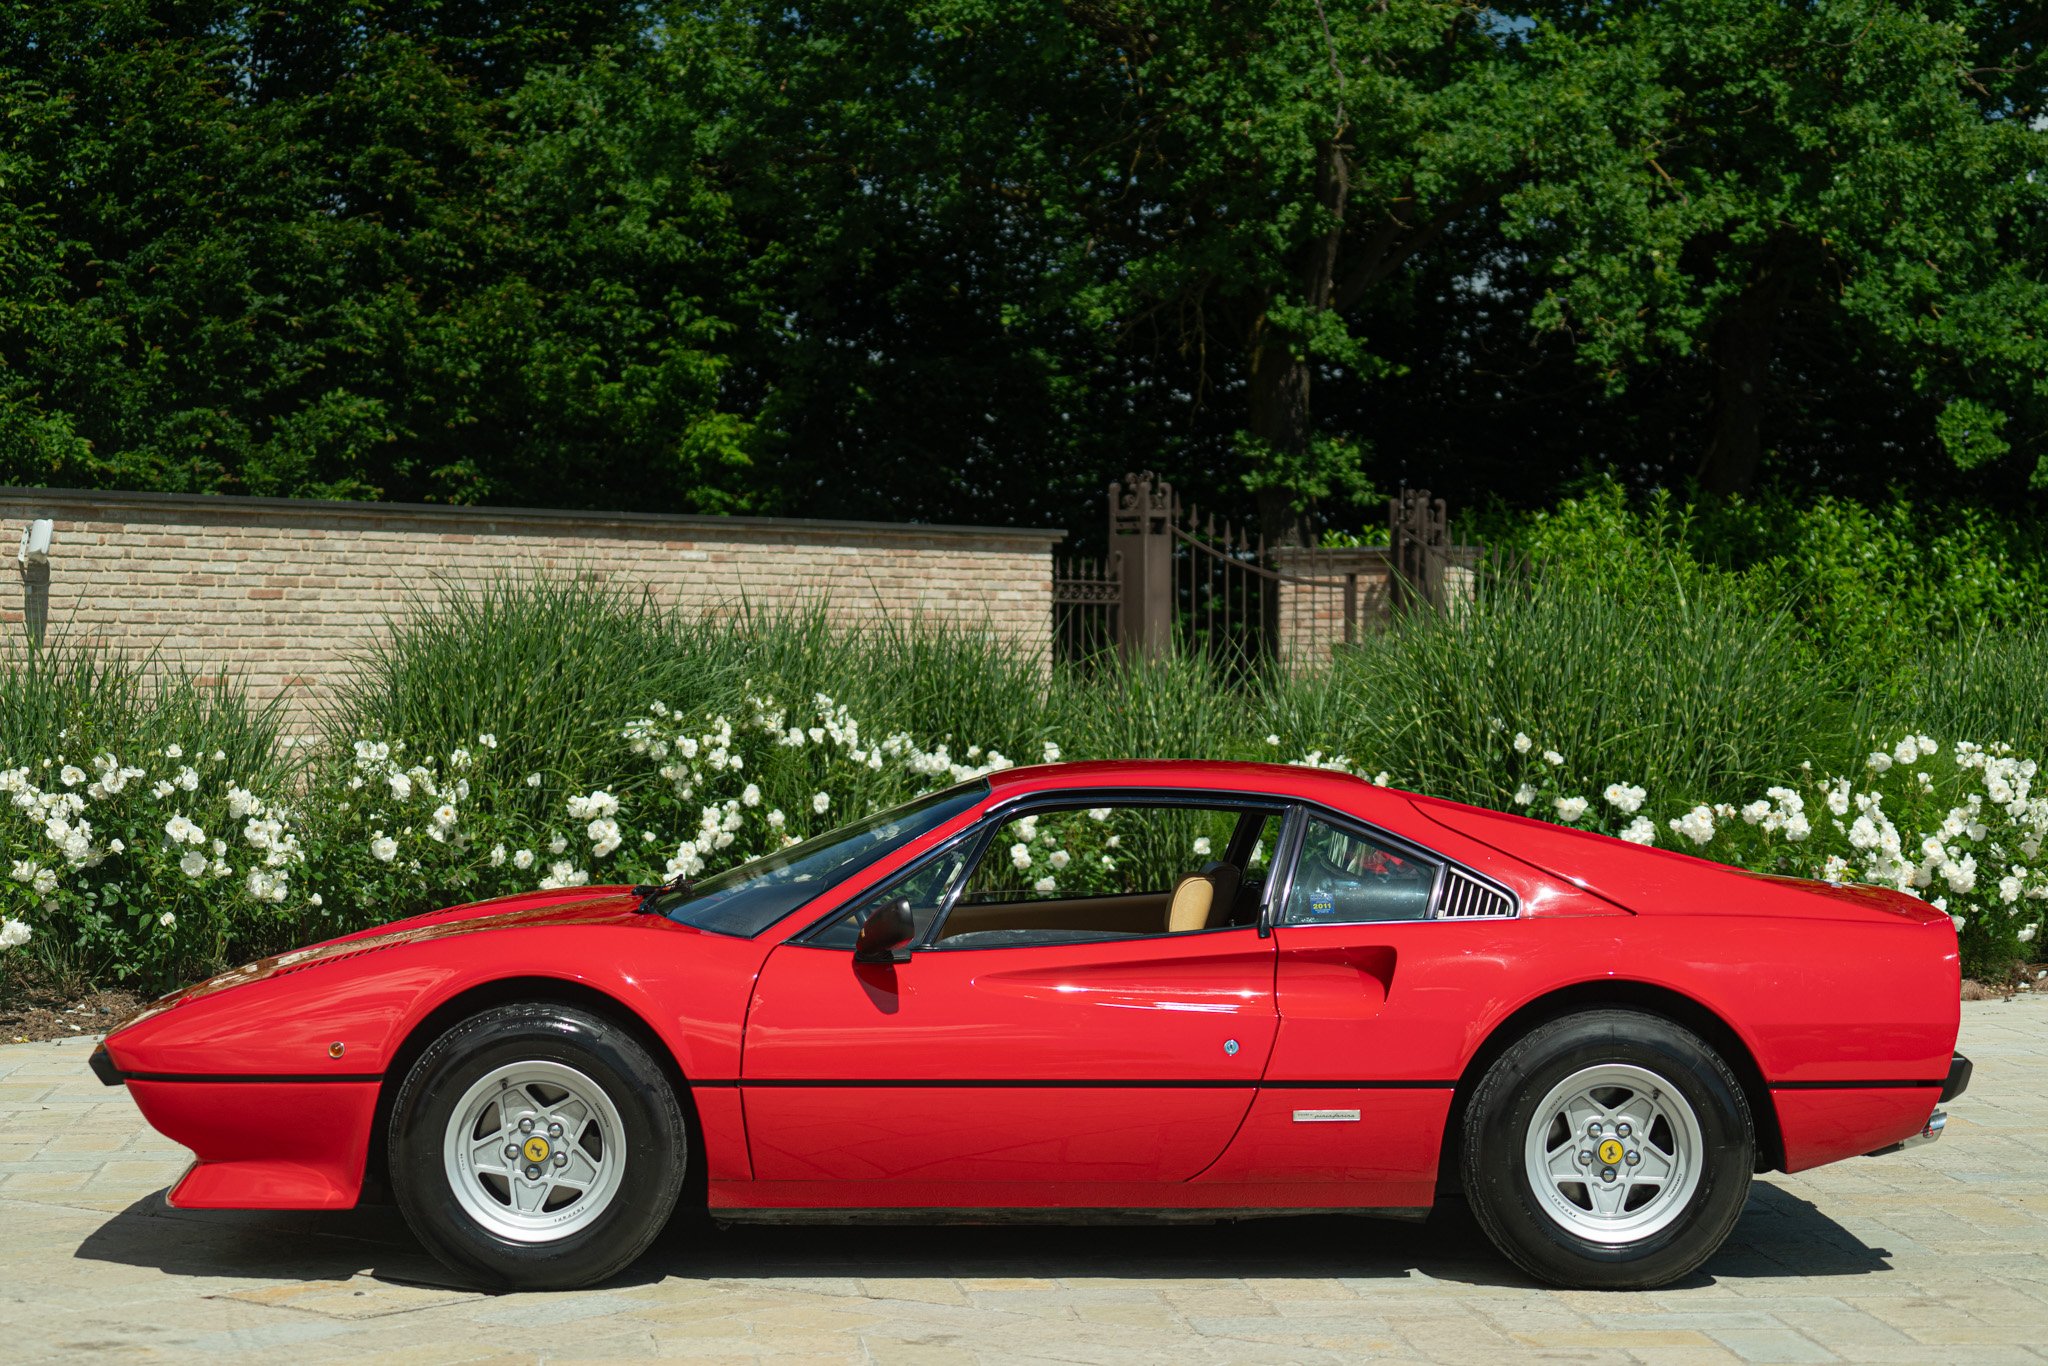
pixel 1467 898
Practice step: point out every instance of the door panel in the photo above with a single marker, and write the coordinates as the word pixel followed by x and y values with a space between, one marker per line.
pixel 1048 1133
pixel 948 1067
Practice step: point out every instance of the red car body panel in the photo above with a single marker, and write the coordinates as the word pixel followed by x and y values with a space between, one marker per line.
pixel 1173 1072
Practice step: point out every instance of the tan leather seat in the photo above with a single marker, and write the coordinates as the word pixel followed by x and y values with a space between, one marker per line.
pixel 1203 900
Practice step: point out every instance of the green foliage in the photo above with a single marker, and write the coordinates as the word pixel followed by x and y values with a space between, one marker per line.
pixel 96 762
pixel 1688 694
pixel 958 260
pixel 1868 587
pixel 558 732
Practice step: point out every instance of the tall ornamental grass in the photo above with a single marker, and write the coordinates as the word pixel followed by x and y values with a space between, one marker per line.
pixel 1683 694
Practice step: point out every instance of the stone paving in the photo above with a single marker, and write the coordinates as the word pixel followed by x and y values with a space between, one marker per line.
pixel 1935 1255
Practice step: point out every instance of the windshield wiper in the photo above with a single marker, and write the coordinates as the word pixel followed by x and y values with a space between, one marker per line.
pixel 647 891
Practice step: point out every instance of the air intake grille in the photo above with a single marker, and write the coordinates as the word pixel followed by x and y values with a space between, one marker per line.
pixel 1467 898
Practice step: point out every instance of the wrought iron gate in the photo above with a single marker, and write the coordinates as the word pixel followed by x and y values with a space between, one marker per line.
pixel 1178 580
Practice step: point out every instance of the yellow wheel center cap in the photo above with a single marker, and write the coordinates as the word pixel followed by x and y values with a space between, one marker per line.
pixel 1610 1151
pixel 537 1149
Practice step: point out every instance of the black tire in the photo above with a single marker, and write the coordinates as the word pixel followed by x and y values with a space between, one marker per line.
pixel 1503 1107
pixel 655 1147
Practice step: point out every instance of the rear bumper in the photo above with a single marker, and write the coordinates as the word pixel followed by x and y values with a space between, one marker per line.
pixel 1959 1070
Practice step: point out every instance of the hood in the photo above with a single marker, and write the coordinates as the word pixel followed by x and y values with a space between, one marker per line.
pixel 1649 881
pixel 569 906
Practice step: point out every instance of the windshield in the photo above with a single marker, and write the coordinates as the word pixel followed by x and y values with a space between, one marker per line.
pixel 746 900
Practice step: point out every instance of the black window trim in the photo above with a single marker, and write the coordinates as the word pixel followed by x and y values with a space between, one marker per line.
pixel 1295 814
pixel 1444 863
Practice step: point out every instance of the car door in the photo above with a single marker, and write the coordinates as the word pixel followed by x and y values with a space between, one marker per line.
pixel 1053 1066
pixel 1372 977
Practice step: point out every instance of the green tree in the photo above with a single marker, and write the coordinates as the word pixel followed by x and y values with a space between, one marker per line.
pixel 1780 167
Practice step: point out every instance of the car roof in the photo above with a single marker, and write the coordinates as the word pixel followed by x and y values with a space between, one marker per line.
pixel 1291 780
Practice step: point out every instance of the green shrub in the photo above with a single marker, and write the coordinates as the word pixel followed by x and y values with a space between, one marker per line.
pixel 149 825
pixel 1688 694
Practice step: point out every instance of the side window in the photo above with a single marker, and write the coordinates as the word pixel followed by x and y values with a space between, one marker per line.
pixel 1114 871
pixel 1342 877
pixel 925 887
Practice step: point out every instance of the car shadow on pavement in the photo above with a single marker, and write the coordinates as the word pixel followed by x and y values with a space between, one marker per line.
pixel 1779 1235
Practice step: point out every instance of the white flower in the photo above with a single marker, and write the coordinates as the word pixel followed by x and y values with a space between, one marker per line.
pixel 13 934
pixel 1059 859
pixel 523 859
pixel 1523 744
pixel 188 778
pixel 1878 761
pixel 1045 884
pixel 316 900
pixel 383 848
pixel 1050 752
pixel 533 780
pixel 750 795
pixel 597 806
pixel 1696 825
pixel 71 775
pixel 444 816
pixel 1641 830
pixel 193 864
pixel 487 740
pixel 1098 813
pixel 1553 758
pixel 564 874
pixel 776 819
pixel 1755 812
pixel 2025 936
pixel 1569 809
pixel 558 845
pixel 183 831
pixel 604 837
pixel 1273 740
pixel 821 803
pixel 174 751
pixel 1202 846
pixel 1524 795
pixel 1624 797
pixel 497 856
pixel 401 786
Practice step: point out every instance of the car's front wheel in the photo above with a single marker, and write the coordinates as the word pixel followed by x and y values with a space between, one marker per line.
pixel 1608 1150
pixel 536 1147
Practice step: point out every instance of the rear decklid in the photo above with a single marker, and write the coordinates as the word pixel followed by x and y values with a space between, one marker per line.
pixel 1650 880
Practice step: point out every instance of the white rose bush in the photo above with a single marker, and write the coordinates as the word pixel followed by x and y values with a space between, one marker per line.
pixel 143 860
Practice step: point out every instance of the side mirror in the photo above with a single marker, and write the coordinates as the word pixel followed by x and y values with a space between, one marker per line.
pixel 886 934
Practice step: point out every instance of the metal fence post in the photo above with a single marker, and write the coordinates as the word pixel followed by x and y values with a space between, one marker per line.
pixel 1141 534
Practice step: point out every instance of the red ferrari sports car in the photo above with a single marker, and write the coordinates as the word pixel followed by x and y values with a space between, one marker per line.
pixel 1194 990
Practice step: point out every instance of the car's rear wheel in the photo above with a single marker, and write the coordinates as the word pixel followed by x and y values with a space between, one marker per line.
pixel 536 1147
pixel 1608 1150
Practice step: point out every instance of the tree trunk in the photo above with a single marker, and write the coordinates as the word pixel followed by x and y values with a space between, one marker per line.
pixel 1280 423
pixel 1741 355
pixel 1281 419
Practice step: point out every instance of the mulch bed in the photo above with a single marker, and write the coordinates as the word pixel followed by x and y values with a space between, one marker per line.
pixel 32 1016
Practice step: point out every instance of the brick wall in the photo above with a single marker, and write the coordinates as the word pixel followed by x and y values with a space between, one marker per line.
pixel 280 592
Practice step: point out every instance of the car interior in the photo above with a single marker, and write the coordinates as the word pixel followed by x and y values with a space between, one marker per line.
pixel 1160 876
